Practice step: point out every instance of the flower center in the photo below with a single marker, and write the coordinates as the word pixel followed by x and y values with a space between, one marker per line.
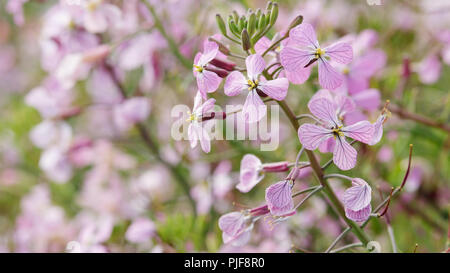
pixel 192 117
pixel 337 132
pixel 252 84
pixel 92 6
pixel 198 68
pixel 319 52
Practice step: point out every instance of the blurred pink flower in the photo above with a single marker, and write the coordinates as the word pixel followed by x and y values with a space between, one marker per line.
pixel 235 229
pixel 249 173
pixel 429 69
pixel 100 16
pixel 130 112
pixel 15 7
pixel 141 230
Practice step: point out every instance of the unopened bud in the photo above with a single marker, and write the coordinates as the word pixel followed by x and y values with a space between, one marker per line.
pixel 276 167
pixel 246 44
pixel 297 21
pixel 97 54
pixel 221 73
pixel 222 47
pixel 251 24
pixel 221 24
pixel 262 22
pixel 223 64
pixel 273 14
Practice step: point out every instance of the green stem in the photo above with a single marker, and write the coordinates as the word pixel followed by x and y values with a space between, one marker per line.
pixel 172 45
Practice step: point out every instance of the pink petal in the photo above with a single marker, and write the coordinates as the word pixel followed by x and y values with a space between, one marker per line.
pixel 344 155
pixel 232 223
pixel 303 35
pixel 299 76
pixel 235 83
pixel 249 175
pixel 378 130
pixel 358 196
pixel 197 102
pixel 325 110
pixel 294 59
pixel 276 89
pixel 355 84
pixel 369 99
pixel 209 52
pixel 262 45
pixel 255 65
pixel 207 82
pixel 430 69
pixel 361 131
pixel 340 52
pixel 327 146
pixel 368 64
pixel 344 104
pixel 329 78
pixel 254 108
pixel 205 140
pixel 360 215
pixel 192 136
pixel 279 198
pixel 311 136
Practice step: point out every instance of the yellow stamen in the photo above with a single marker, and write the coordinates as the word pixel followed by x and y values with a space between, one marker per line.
pixel 319 52
pixel 192 117
pixel 252 84
pixel 338 132
pixel 198 68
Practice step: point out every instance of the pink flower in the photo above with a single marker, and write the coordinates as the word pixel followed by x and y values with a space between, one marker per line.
pixel 234 228
pixel 304 49
pixel 357 200
pixel 98 16
pixel 131 111
pixel 140 231
pixel 251 169
pixel 279 198
pixel 254 108
pixel 207 81
pixel 15 7
pixel 196 131
pixel 429 69
pixel 249 173
pixel 312 136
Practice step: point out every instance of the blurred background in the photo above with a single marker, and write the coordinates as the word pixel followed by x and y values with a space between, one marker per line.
pixel 82 171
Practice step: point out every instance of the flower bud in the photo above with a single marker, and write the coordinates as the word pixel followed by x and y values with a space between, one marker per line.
pixel 235 16
pixel 221 73
pixel 242 23
pixel 251 24
pixel 262 22
pixel 246 44
pixel 221 24
pixel 223 64
pixel 273 14
pixel 297 21
pixel 232 25
pixel 96 54
pixel 276 167
pixel 269 6
pixel 222 47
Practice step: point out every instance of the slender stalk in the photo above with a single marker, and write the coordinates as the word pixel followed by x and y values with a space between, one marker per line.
pixel 305 190
pixel 418 118
pixel 392 238
pixel 172 45
pixel 337 175
pixel 317 189
pixel 347 247
pixel 274 44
